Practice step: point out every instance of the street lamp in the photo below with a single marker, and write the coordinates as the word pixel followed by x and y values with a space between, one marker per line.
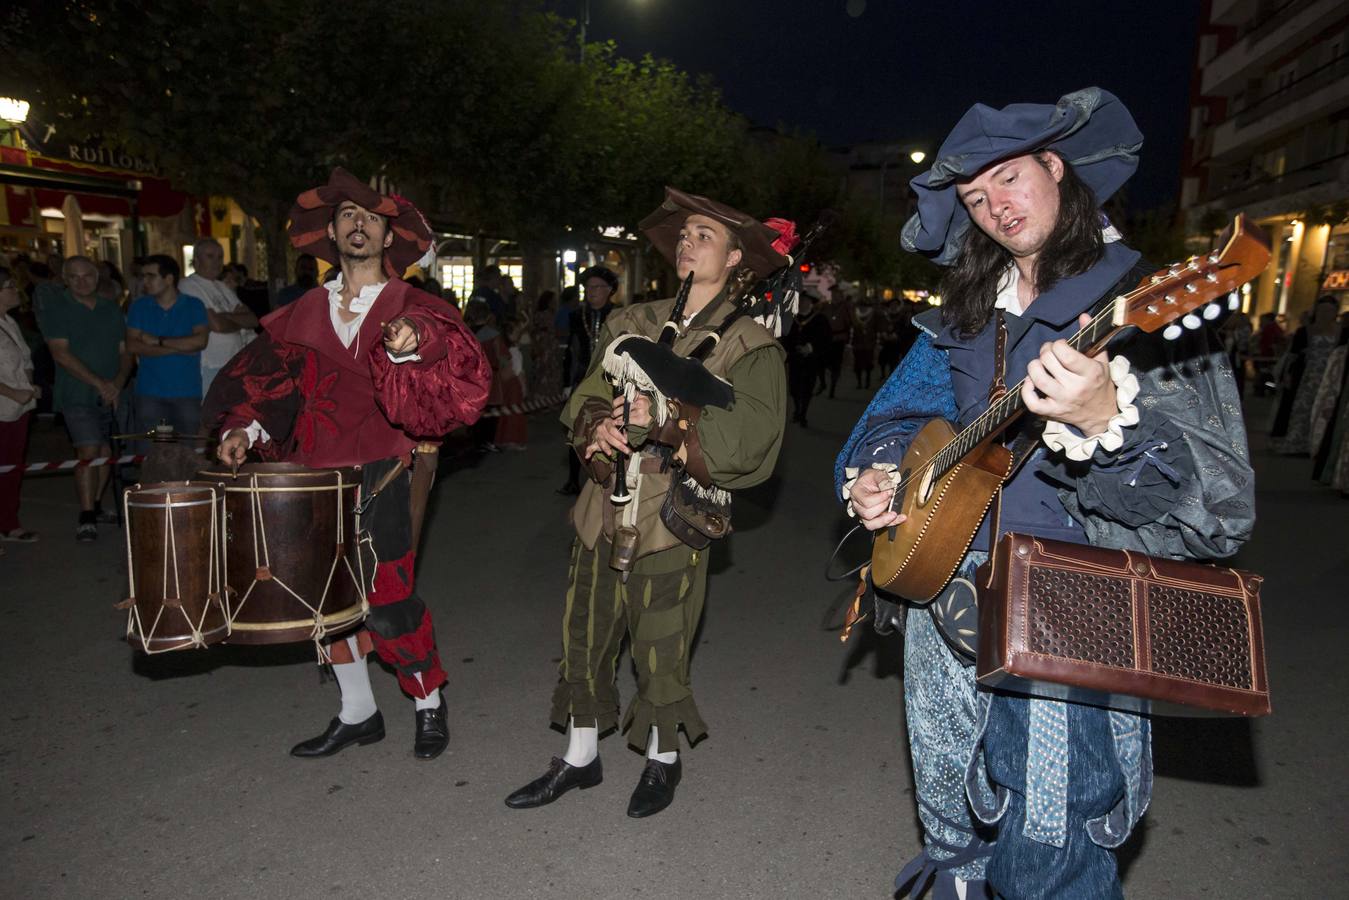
pixel 915 156
pixel 12 110
pixel 13 113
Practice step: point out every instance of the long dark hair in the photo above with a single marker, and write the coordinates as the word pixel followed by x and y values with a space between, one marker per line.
pixel 1075 245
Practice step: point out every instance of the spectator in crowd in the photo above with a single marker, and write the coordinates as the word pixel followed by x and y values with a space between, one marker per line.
pixel 807 346
pixel 167 330
pixel 487 288
pixel 45 284
pixel 18 396
pixel 231 322
pixel 87 337
pixel 111 284
pixel 306 279
pixel 1303 365
pixel 512 431
pixel 865 327
pixel 546 366
pixel 251 292
pixel 1236 335
pixel 569 302
pixel 478 317
pixel 1269 346
pixel 839 313
pixel 586 325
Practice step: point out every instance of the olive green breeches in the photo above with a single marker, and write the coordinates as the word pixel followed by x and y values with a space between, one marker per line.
pixel 659 609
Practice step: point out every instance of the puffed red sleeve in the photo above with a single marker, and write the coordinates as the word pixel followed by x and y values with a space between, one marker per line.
pixel 444 389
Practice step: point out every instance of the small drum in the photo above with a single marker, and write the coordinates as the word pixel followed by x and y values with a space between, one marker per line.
pixel 293 567
pixel 174 566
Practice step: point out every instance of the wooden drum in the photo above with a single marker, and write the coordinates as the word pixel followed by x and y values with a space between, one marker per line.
pixel 174 566
pixel 293 569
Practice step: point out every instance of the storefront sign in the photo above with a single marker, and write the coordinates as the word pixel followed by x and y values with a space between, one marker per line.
pixel 1337 280
pixel 113 158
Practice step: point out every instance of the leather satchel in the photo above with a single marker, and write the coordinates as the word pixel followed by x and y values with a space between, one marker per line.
pixel 695 520
pixel 1115 628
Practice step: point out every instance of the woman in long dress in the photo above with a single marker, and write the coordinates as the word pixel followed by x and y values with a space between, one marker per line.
pixel 1309 354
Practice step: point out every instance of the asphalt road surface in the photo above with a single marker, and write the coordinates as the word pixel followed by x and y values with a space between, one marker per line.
pixel 168 777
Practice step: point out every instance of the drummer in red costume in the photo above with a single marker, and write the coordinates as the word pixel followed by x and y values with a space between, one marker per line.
pixel 361 371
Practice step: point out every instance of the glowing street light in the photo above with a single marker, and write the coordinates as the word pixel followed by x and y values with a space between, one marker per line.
pixel 917 157
pixel 12 110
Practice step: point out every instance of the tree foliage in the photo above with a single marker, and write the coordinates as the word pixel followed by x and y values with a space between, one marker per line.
pixel 481 105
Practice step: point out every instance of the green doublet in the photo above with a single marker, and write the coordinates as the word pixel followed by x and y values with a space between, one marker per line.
pixel 662 602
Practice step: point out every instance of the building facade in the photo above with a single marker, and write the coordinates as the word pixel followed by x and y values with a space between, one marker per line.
pixel 1269 136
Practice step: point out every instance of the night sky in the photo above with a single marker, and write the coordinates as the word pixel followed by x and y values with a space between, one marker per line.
pixel 905 70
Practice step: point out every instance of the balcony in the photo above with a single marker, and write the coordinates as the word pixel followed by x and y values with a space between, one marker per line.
pixel 1314 95
pixel 1265 41
pixel 1323 176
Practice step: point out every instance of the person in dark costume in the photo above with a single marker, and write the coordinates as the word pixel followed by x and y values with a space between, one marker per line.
pixel 807 346
pixel 586 324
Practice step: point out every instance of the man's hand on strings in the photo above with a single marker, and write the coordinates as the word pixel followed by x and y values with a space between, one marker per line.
pixel 871 494
pixel 1070 387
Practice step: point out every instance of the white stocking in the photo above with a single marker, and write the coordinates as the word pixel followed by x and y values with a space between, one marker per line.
pixel 652 752
pixel 353 679
pixel 583 745
pixel 431 700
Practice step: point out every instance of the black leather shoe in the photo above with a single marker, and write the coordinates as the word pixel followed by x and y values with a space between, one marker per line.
pixel 433 734
pixel 655 790
pixel 340 735
pixel 560 778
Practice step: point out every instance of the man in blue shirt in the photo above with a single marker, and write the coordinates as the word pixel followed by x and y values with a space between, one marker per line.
pixel 167 331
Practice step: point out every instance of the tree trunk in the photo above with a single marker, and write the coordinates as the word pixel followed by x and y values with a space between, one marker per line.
pixel 272 219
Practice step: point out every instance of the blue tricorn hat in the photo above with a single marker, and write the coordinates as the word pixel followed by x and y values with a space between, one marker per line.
pixel 1089 128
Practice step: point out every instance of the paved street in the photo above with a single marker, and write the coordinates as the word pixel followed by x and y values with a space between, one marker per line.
pixel 168 777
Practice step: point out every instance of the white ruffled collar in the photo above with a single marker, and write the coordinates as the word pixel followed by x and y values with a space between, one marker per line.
pixel 361 303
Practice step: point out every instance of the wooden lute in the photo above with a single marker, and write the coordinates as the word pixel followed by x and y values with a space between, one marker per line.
pixel 948 479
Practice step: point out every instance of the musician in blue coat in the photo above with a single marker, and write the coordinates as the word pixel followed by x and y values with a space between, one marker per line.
pixel 1141 447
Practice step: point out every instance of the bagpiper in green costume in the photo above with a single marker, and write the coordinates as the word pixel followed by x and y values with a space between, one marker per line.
pixel 705 452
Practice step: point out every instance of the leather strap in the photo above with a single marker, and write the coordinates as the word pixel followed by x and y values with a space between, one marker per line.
pixel 694 463
pixel 996 391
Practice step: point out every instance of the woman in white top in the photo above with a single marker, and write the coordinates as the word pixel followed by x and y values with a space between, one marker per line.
pixel 18 396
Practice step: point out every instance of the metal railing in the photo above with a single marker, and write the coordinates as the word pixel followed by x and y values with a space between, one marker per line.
pixel 1296 89
pixel 1264 186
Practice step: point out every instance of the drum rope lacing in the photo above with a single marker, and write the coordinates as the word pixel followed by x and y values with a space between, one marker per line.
pixel 320 629
pixel 134 624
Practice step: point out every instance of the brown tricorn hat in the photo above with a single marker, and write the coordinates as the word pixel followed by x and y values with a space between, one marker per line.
pixel 756 239
pixel 313 211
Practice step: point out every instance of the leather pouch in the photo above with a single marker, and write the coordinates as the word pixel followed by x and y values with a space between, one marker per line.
pixel 1115 628
pixel 695 520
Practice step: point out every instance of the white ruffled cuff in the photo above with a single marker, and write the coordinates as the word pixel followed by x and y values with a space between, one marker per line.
pixel 1058 436
pixel 852 473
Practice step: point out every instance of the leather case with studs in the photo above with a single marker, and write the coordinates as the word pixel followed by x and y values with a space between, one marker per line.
pixel 1116 628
